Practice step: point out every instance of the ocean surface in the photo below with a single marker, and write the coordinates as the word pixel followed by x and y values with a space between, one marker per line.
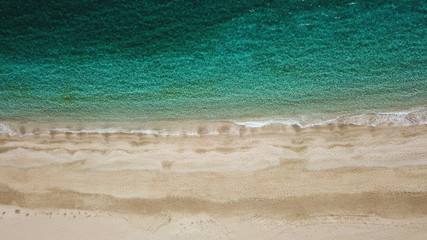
pixel 249 62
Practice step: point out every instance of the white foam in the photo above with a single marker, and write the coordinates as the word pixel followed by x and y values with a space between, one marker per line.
pixel 397 118
pixel 163 132
pixel 4 128
pixel 68 130
pixel 415 117
pixel 259 124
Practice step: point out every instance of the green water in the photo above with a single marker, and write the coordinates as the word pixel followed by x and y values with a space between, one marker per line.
pixel 210 60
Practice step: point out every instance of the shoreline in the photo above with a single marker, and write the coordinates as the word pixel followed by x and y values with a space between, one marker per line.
pixel 209 127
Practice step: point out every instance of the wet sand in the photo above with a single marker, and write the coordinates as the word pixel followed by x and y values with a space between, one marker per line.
pixel 275 182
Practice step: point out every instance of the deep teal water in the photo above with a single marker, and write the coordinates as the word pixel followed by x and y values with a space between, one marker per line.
pixel 210 60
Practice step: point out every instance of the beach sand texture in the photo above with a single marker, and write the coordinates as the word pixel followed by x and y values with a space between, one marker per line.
pixel 274 182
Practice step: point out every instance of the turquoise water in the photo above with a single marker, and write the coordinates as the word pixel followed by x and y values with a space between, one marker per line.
pixel 210 60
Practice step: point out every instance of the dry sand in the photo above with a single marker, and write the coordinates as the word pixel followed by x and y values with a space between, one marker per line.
pixel 275 182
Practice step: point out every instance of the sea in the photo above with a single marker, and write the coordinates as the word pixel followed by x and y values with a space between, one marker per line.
pixel 144 66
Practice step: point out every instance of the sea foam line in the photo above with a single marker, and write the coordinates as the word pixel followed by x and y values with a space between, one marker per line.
pixel 163 132
pixel 416 117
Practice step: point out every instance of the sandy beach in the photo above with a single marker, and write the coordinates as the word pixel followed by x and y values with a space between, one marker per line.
pixel 274 182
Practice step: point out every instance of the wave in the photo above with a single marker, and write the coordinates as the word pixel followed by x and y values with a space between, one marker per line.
pixel 417 117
